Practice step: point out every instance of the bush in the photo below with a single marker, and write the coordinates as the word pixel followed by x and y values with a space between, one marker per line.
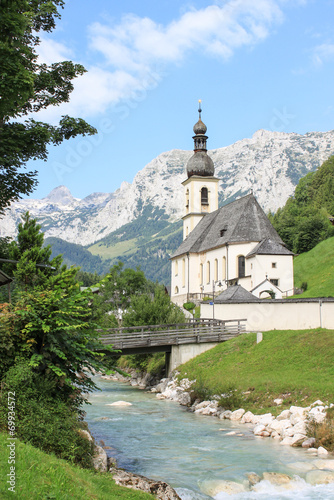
pixel 230 399
pixel 323 432
pixel 43 417
pixel 303 286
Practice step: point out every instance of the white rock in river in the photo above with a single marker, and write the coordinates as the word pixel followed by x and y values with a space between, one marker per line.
pixel 320 477
pixel 119 403
pixel 237 414
pixel 212 488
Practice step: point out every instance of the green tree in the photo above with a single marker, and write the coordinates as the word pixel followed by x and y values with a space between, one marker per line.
pixel 117 290
pixel 34 265
pixel 153 309
pixel 304 220
pixel 52 328
pixel 27 86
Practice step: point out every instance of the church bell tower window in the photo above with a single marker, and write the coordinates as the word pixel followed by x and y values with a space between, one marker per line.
pixel 204 196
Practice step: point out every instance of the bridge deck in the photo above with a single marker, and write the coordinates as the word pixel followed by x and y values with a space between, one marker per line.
pixel 196 332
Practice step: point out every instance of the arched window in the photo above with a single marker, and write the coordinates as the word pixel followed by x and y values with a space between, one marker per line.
pixel 201 274
pixel 208 272
pixel 204 196
pixel 241 266
pixel 176 267
pixel 176 290
pixel 216 269
pixel 187 200
pixel 183 272
pixel 224 268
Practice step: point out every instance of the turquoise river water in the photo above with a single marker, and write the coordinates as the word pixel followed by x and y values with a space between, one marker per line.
pixel 162 440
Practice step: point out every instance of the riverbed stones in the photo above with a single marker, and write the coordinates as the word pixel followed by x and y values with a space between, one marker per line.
pixel 322 451
pixel 290 426
pixel 253 478
pixel 324 464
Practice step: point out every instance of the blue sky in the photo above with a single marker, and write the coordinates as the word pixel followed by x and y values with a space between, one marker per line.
pixel 254 63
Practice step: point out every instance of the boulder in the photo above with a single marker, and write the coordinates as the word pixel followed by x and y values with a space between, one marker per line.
pixel 100 459
pixel 320 477
pixel 253 478
pixel 119 403
pixel 308 443
pixel 324 464
pixel 184 399
pixel 285 414
pixel 322 451
pixel 277 478
pixel 280 425
pixel 212 488
pixel 266 419
pixel 247 417
pixel 85 434
pixel 159 489
pixel 237 414
pixel 297 439
pixel 300 428
pixel 258 429
pixel 225 414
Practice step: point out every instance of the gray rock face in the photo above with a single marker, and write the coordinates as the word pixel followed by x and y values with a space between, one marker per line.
pixel 160 489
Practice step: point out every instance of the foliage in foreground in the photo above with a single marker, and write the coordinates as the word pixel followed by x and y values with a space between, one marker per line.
pixel 295 365
pixel 27 87
pixel 44 416
pixel 39 475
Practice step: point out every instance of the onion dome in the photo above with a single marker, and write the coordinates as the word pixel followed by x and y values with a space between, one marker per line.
pixel 200 163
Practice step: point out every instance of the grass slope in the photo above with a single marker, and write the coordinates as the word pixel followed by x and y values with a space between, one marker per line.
pixel 295 365
pixel 43 476
pixel 316 268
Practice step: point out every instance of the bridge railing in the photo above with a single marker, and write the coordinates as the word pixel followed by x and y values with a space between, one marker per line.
pixel 198 331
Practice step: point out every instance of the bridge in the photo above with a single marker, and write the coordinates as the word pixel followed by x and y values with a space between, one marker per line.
pixel 180 342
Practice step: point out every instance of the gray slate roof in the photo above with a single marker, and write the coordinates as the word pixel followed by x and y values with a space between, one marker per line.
pixel 243 219
pixel 269 247
pixel 235 293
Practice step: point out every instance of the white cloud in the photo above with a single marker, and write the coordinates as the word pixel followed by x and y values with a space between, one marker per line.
pixel 322 53
pixel 127 53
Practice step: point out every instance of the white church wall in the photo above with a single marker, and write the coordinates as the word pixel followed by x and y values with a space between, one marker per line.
pixel 275 267
pixel 267 315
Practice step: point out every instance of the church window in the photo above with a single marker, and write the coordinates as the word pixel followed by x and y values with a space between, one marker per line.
pixel 187 199
pixel 183 272
pixel 176 290
pixel 241 266
pixel 274 265
pixel 201 274
pixel 208 272
pixel 176 268
pixel 204 196
pixel 216 269
pixel 274 282
pixel 224 268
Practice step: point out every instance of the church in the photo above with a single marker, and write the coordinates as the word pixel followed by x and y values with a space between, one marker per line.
pixel 234 244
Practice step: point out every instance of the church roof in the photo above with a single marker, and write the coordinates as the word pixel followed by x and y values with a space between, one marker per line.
pixel 235 293
pixel 269 247
pixel 240 221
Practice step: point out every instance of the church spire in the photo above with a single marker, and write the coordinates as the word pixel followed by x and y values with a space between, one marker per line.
pixel 200 163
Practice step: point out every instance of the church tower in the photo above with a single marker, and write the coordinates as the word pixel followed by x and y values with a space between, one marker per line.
pixel 201 187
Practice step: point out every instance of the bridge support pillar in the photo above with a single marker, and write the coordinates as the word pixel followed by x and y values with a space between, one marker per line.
pixel 182 353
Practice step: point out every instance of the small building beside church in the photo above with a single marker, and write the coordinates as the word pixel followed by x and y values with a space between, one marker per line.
pixel 234 244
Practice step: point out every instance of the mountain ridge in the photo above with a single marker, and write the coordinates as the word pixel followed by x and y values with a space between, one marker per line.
pixel 269 163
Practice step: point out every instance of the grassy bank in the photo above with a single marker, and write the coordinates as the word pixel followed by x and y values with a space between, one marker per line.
pixel 316 268
pixel 294 365
pixel 43 476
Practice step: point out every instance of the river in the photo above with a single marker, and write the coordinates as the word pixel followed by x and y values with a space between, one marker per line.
pixel 163 440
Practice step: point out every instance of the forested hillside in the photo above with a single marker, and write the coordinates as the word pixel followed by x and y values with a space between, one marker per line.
pixel 307 217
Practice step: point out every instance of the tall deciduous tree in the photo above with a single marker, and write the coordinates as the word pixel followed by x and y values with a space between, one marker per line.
pixel 28 86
